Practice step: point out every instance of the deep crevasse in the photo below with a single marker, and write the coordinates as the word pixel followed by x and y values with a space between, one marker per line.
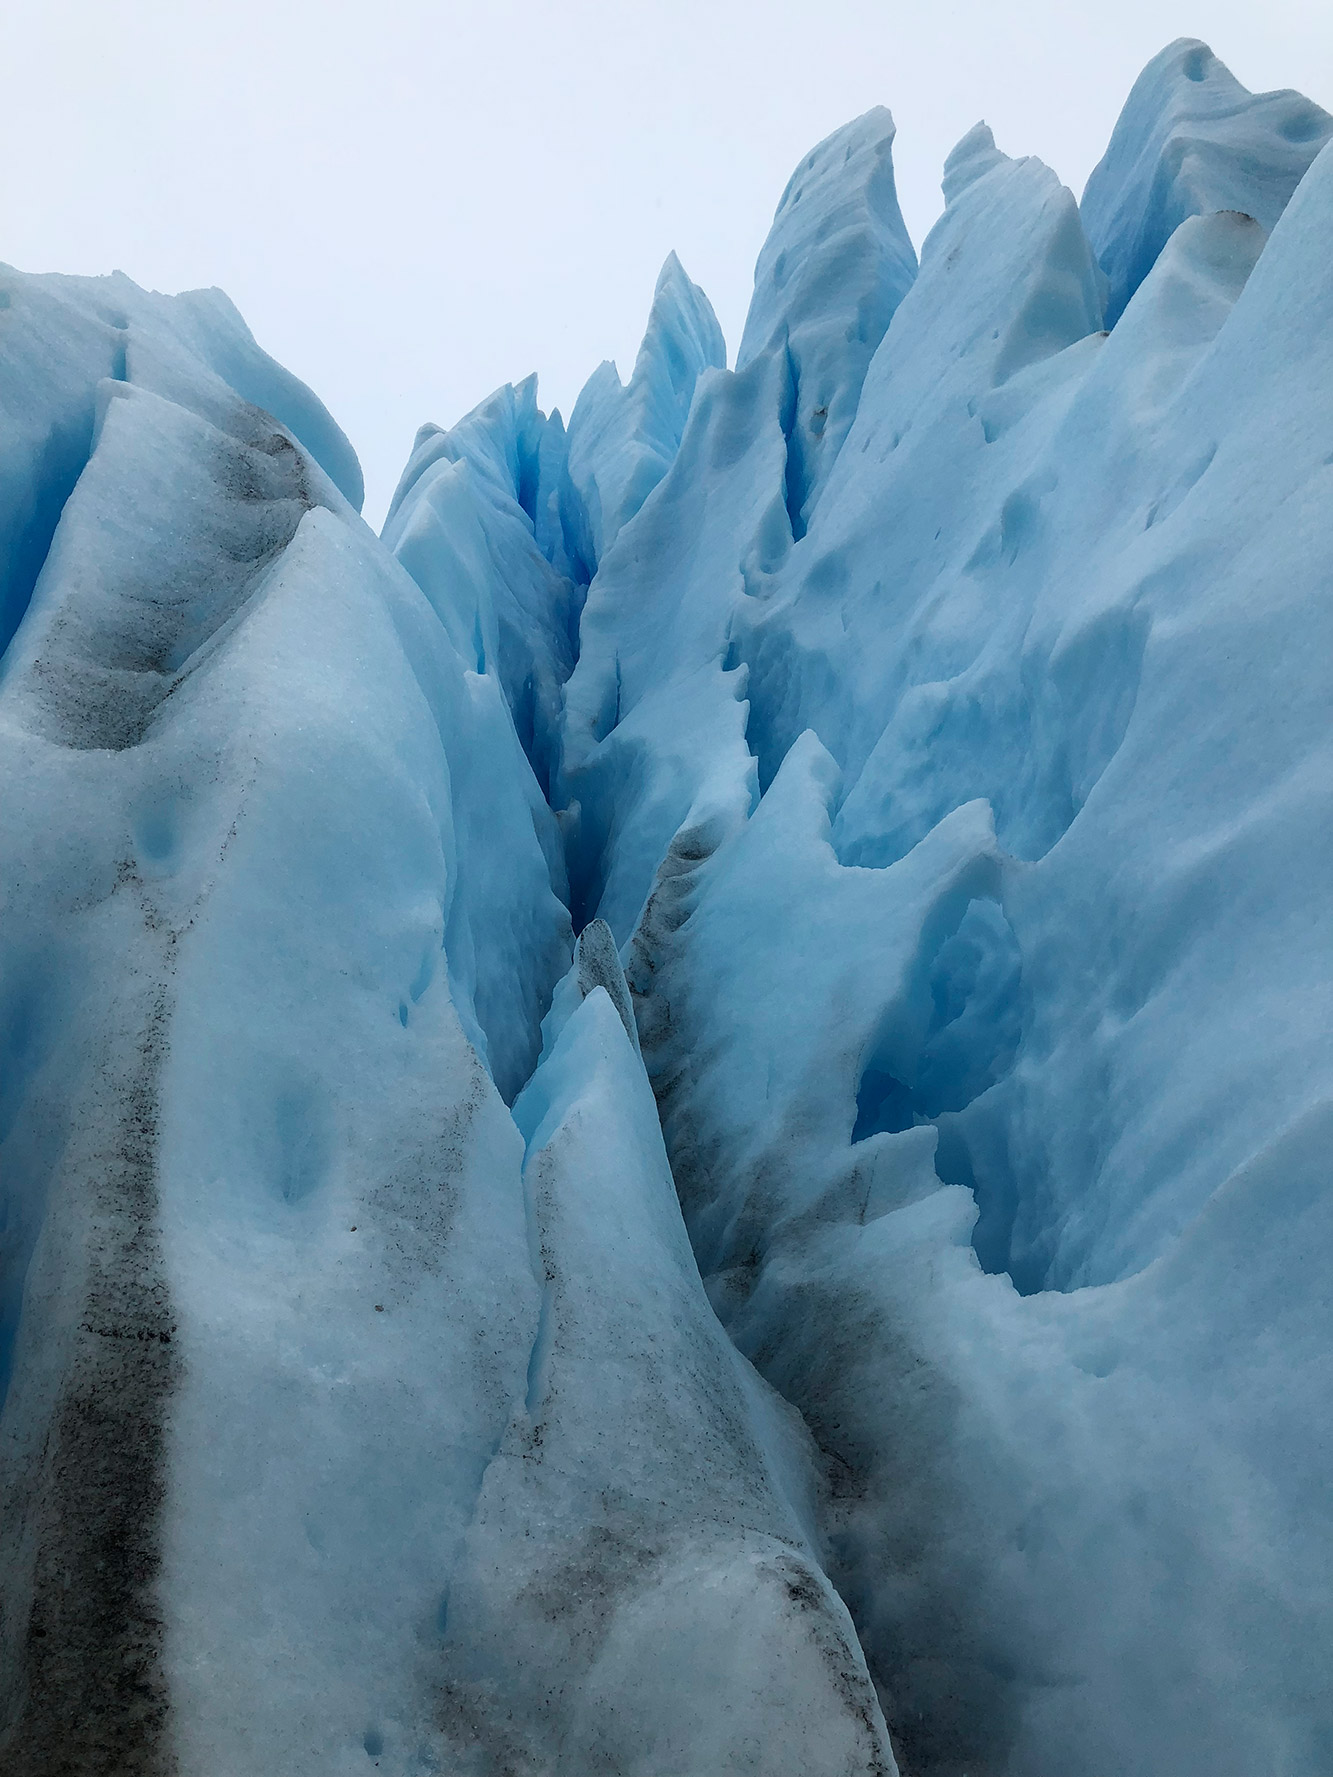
pixel 934 707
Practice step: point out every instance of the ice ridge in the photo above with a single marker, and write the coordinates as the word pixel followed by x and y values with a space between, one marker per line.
pixel 675 1119
pixel 1192 140
pixel 622 439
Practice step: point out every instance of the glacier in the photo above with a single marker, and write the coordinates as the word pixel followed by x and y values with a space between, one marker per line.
pixel 674 1119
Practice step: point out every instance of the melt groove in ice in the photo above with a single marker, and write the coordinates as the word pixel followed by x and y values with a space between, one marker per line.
pixel 675 1119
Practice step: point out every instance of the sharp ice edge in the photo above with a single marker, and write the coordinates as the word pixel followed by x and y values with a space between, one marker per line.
pixel 930 712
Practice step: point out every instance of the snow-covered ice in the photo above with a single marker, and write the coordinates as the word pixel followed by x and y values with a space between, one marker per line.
pixel 865 1296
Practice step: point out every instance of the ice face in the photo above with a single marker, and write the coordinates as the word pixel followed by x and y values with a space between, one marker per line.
pixel 472 522
pixel 61 336
pixel 262 1331
pixel 622 439
pixel 284 1303
pixel 995 1015
pixel 1192 140
pixel 835 266
pixel 897 1294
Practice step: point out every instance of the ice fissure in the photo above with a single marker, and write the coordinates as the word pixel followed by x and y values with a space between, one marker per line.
pixel 675 1119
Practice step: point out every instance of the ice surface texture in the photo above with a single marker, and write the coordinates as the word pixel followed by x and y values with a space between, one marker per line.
pixel 1192 140
pixel 991 1040
pixel 294 1335
pixel 877 1271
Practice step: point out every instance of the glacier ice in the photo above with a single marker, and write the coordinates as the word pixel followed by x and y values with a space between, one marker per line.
pixel 835 266
pixel 675 1119
pixel 284 910
pixel 622 439
pixel 1190 141
pixel 245 772
pixel 62 338
pixel 641 1513
pixel 473 521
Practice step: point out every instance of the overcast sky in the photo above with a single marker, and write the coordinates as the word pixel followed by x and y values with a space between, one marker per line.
pixel 412 203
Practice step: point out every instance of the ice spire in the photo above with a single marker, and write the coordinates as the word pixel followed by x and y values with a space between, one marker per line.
pixel 1191 139
pixel 622 439
pixel 835 266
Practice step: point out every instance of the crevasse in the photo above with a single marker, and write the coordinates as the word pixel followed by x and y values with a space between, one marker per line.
pixel 858 1305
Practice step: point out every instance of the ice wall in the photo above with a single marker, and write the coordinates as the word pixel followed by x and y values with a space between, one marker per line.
pixel 265 1289
pixel 864 1296
pixel 347 1423
pixel 990 1040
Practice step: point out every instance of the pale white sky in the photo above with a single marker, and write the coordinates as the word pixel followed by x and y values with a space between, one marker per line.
pixel 412 203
